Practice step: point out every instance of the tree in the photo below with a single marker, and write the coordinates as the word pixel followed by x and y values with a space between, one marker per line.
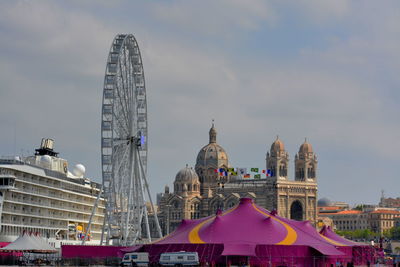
pixel 359 207
pixel 358 234
pixel 395 232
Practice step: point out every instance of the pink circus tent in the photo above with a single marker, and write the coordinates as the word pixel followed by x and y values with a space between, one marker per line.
pixel 251 234
pixel 327 232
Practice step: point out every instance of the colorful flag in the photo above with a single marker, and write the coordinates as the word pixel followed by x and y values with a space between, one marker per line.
pixel 216 170
pixel 257 176
pixel 221 170
pixel 242 170
pixel 246 175
pixel 254 169
pixel 231 169
pixel 225 173
pixel 268 172
pixel 234 173
pixel 263 171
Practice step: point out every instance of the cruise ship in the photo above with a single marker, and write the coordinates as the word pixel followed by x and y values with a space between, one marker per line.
pixel 39 194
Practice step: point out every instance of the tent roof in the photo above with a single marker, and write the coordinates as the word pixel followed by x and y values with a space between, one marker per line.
pixel 29 243
pixel 327 232
pixel 246 225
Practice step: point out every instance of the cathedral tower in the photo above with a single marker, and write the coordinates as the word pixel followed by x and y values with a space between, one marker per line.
pixel 305 163
pixel 277 160
pixel 211 158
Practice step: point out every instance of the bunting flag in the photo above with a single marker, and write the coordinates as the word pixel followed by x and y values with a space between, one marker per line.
pixel 257 176
pixel 221 170
pixel 246 175
pixel 269 173
pixel 254 169
pixel 225 173
pixel 234 173
pixel 231 170
pixel 242 171
pixel 216 170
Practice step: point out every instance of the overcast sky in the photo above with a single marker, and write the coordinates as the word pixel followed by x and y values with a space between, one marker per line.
pixel 325 70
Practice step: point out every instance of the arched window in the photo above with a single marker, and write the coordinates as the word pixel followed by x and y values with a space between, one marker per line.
pixel 175 204
pixel 231 204
pixel 296 211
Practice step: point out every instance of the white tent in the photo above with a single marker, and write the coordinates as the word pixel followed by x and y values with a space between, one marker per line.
pixel 29 243
pixel 43 243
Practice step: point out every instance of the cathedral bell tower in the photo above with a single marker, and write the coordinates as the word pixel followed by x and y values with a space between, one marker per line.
pixel 277 161
pixel 306 163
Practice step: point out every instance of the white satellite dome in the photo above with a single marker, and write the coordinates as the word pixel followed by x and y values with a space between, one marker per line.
pixel 46 159
pixel 79 170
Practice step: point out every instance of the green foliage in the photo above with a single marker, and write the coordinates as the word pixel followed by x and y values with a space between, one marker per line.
pixel 388 233
pixel 358 234
pixel 359 207
pixel 395 233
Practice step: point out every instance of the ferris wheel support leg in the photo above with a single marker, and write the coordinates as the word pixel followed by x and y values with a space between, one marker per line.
pixel 151 201
pixel 103 228
pixel 132 155
pixel 146 217
pixel 96 203
pixel 146 220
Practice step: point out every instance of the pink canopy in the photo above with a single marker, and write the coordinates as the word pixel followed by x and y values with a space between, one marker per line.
pixel 248 225
pixel 251 231
pixel 327 232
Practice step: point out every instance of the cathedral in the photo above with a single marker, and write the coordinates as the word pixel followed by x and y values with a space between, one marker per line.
pixel 201 191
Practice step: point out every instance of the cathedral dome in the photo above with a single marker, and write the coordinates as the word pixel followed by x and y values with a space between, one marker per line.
pixel 306 148
pixel 187 174
pixel 212 155
pixel 277 145
pixel 324 202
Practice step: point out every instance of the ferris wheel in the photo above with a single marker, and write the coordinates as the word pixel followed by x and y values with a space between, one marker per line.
pixel 124 145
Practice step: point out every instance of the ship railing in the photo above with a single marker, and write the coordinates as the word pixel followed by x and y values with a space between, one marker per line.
pixel 11 160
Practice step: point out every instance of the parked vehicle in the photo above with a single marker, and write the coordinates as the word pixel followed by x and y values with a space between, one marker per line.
pixel 181 258
pixel 135 259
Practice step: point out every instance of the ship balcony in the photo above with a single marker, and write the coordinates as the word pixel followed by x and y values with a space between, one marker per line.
pixel 7 182
pixel 39 216
pixel 42 197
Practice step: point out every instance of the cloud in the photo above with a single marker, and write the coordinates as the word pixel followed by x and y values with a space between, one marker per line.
pixel 220 17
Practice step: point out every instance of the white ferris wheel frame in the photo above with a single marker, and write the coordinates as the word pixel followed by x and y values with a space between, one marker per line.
pixel 124 145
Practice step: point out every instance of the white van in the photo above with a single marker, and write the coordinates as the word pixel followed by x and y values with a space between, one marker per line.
pixel 135 259
pixel 181 258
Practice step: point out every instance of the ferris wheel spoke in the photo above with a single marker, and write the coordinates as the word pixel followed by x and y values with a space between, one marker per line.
pixel 120 164
pixel 128 88
pixel 123 104
pixel 122 130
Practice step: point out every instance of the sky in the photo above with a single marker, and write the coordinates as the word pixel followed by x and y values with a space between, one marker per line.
pixel 324 70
